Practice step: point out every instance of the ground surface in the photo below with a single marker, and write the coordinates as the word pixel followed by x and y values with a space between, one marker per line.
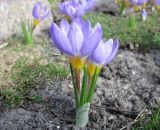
pixel 126 86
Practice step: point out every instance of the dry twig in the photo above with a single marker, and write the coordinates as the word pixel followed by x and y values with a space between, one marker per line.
pixel 135 120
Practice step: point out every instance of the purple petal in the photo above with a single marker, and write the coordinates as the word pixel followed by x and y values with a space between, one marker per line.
pixel 92 40
pixel 87 28
pixel 114 46
pixel 70 11
pixel 79 12
pixel 83 2
pixel 60 39
pixel 76 38
pixel 157 2
pixel 44 14
pixel 64 26
pixel 36 8
pixel 75 2
pixel 99 54
pixel 79 21
pixel 90 4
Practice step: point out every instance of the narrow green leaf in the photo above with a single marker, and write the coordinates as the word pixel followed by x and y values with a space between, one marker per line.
pixel 122 8
pixel 74 86
pixel 92 86
pixel 132 21
pixel 23 26
pixel 27 32
pixel 84 87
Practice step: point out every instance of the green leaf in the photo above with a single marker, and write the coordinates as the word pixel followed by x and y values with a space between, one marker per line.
pixel 27 32
pixel 74 86
pixel 122 8
pixel 92 86
pixel 132 21
pixel 84 87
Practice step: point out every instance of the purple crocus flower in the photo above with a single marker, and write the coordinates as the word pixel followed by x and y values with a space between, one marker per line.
pixel 76 8
pixel 104 52
pixel 144 15
pixel 102 55
pixel 77 40
pixel 138 2
pixel 39 11
pixel 157 4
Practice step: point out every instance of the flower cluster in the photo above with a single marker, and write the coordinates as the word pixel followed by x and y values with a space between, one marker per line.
pixel 85 49
pixel 131 6
pixel 76 8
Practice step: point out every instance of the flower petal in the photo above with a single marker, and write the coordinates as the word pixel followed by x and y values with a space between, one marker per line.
pixel 99 54
pixel 87 28
pixel 76 38
pixel 70 11
pixel 92 40
pixel 79 21
pixel 60 39
pixel 75 2
pixel 79 12
pixel 90 4
pixel 64 25
pixel 36 8
pixel 83 2
pixel 114 45
pixel 44 14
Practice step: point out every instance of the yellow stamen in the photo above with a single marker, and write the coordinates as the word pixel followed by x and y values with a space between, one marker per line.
pixel 137 8
pixel 126 3
pixel 157 6
pixel 77 62
pixel 144 5
pixel 117 1
pixel 92 68
pixel 67 17
pixel 91 71
pixel 36 22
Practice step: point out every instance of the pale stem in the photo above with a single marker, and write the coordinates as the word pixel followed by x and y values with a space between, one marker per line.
pixel 77 74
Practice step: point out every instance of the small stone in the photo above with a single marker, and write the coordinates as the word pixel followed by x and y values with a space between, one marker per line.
pixel 145 95
pixel 99 92
pixel 111 117
pixel 133 72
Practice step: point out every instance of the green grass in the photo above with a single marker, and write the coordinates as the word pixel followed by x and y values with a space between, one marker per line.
pixel 146 34
pixel 27 74
pixel 150 122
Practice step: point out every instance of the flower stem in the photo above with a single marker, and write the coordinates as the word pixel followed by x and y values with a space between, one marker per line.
pixel 92 86
pixel 74 86
pixel 84 87
pixel 77 75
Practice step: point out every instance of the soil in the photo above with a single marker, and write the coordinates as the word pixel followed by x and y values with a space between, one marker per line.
pixel 125 87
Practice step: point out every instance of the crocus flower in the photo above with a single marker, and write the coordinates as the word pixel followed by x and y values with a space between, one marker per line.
pixel 138 4
pixel 39 12
pixel 156 3
pixel 77 40
pixel 144 15
pixel 102 55
pixel 76 8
